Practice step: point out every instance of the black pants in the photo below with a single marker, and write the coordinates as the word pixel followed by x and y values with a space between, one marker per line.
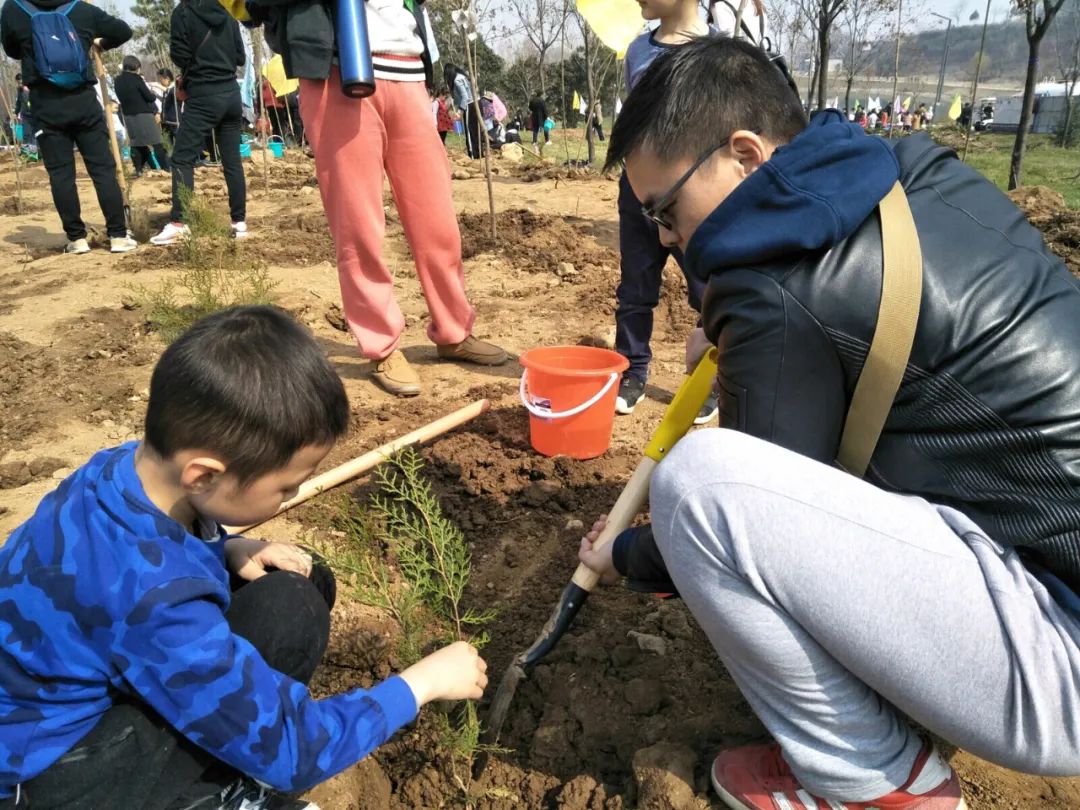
pixel 221 114
pixel 80 121
pixel 536 134
pixel 598 128
pixel 641 267
pixel 472 131
pixel 133 759
pixel 140 156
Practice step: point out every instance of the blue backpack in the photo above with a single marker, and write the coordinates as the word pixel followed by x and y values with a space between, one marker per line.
pixel 59 55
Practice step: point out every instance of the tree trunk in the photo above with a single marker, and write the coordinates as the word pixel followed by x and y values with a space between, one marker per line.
pixel 256 47
pixel 813 83
pixel 590 55
pixel 847 92
pixel 486 153
pixel 1020 144
pixel 823 60
pixel 543 82
pixel 1063 141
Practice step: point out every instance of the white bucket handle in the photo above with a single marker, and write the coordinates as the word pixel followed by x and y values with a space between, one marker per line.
pixel 544 413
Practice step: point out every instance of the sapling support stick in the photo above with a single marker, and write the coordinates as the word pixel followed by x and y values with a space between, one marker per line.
pixel 362 464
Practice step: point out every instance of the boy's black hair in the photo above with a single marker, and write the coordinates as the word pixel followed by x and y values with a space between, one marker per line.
pixel 695 95
pixel 131 64
pixel 249 384
pixel 165 73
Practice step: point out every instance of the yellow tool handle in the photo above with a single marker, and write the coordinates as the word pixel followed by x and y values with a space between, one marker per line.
pixel 676 421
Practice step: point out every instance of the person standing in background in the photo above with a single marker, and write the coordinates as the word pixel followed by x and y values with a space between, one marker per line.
pixel 67 114
pixel 23 113
pixel 141 119
pixel 205 44
pixel 458 81
pixel 358 142
pixel 170 107
pixel 539 112
pixel 444 122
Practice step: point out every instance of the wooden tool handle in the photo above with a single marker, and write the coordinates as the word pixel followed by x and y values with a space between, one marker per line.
pixel 626 508
pixel 106 102
pixel 360 465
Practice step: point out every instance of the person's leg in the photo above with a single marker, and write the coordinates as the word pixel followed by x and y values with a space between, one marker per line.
pixel 419 175
pixel 475 132
pixel 199 120
pixel 228 137
pixel 162 157
pixel 641 266
pixel 348 140
pixel 57 152
pixel 442 136
pixel 139 156
pixel 92 138
pixel 836 606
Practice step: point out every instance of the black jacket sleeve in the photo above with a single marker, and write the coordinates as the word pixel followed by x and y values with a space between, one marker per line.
pixel 637 558
pixel 179 39
pixel 238 41
pixel 146 93
pixel 112 31
pixel 8 36
pixel 780 378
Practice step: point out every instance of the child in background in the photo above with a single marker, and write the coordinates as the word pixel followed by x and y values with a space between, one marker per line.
pixel 141 118
pixel 444 121
pixel 154 661
pixel 358 142
pixel 170 107
pixel 70 117
pixel 642 256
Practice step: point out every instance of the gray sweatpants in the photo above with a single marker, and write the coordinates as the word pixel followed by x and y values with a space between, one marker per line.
pixel 837 606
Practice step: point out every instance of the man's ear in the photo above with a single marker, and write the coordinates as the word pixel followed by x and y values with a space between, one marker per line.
pixel 749 150
pixel 200 473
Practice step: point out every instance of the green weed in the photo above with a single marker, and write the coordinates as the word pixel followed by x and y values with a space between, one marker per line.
pixel 216 274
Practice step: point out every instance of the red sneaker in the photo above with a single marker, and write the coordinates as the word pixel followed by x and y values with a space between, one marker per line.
pixel 756 777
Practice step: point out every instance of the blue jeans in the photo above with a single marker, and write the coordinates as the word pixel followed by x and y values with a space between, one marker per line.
pixel 641 268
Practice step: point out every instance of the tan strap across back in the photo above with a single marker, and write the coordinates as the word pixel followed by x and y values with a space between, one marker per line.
pixel 890 349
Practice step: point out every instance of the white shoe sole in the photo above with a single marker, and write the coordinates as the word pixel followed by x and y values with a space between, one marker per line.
pixel 704 419
pixel 733 803
pixel 76 252
pixel 624 408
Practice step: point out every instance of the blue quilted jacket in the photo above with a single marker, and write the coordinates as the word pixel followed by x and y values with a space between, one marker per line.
pixel 101 594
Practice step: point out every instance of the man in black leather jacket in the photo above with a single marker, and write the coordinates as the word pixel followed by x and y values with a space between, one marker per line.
pixel 832 600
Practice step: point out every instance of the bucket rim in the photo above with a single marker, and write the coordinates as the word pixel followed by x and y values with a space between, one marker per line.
pixel 616 363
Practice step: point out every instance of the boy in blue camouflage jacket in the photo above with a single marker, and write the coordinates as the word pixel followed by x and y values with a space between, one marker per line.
pixel 149 660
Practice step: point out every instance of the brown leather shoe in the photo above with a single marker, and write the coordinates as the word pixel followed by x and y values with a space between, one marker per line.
pixel 472 350
pixel 394 374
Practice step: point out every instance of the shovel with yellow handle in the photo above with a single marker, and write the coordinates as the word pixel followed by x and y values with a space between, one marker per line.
pixel 678 418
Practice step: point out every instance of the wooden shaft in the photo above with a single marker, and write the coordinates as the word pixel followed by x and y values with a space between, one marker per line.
pixel 360 465
pixel 622 514
pixel 99 68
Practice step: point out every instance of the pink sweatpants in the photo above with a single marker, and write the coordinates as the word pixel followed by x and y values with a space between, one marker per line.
pixel 354 142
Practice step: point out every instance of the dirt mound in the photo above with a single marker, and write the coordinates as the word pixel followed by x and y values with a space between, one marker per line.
pixel 622 679
pixel 1060 225
pixel 533 242
pixel 83 373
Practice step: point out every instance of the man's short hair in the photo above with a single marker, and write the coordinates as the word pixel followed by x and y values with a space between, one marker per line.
pixel 165 73
pixel 249 384
pixel 695 95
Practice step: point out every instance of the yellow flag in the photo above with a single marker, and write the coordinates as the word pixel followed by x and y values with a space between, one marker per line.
pixel 237 9
pixel 907 104
pixel 274 72
pixel 576 103
pixel 955 107
pixel 616 22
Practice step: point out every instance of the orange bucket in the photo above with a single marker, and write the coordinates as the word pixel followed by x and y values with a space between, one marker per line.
pixel 569 392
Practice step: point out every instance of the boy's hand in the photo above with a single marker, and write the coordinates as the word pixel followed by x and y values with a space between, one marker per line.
pixel 456 672
pixel 599 561
pixel 249 558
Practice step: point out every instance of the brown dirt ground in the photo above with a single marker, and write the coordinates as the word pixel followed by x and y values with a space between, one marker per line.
pixel 74 366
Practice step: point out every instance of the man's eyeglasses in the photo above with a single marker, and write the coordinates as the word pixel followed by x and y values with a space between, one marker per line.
pixel 655 212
